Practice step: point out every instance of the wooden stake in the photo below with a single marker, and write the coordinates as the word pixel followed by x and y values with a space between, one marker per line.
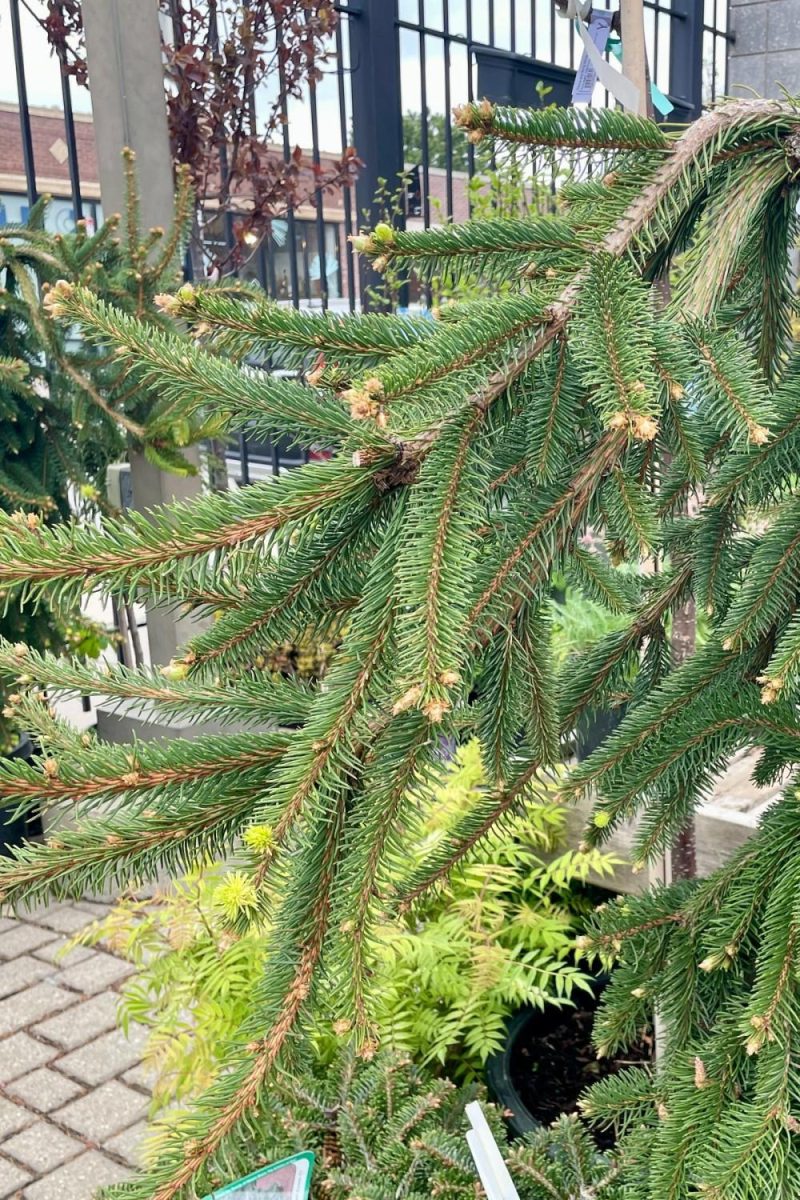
pixel 634 53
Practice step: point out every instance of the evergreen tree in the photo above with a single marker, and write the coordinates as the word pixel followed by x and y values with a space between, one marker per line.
pixel 472 456
pixel 384 1128
pixel 66 408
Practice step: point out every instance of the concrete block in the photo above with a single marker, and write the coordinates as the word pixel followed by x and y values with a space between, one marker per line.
pixel 750 27
pixel 747 73
pixel 22 939
pixel 20 1054
pixel 78 1179
pixel 129 1145
pixel 86 1020
pixel 34 1004
pixel 783 71
pixel 45 1089
pixel 106 1057
pixel 21 973
pixel 42 1147
pixel 784 25
pixel 104 1112
pixel 64 919
pixel 142 1077
pixel 13 1117
pixel 53 952
pixel 12 1178
pixel 96 973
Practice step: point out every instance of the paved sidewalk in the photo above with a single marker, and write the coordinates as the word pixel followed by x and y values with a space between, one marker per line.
pixel 73 1094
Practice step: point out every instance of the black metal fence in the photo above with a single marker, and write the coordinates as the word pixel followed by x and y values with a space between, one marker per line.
pixel 395 70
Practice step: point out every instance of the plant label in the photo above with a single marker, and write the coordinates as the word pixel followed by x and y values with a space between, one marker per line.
pixel 289 1179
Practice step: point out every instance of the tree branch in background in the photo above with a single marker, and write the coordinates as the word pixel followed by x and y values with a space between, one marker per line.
pixel 230 70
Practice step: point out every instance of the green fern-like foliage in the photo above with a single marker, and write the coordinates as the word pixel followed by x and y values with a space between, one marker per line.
pixel 498 935
pixel 471 458
pixel 385 1128
pixel 447 974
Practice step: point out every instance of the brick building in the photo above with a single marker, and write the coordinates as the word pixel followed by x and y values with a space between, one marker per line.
pixel 50 157
pixel 48 136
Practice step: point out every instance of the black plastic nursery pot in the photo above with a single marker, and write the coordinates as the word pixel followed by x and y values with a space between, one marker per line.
pixel 15 829
pixel 548 1061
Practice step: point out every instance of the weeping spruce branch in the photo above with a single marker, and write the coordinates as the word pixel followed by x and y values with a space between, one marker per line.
pixel 472 456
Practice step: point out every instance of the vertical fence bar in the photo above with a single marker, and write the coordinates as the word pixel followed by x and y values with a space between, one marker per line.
pixel 318 198
pixel 244 459
pixel 423 132
pixel 377 117
pixel 287 156
pixel 448 128
pixel 686 59
pixel 262 268
pixel 72 144
pixel 470 98
pixel 24 112
pixel 224 167
pixel 347 196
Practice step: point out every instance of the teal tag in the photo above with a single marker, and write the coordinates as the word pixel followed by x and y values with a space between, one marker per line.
pixel 289 1179
pixel 661 103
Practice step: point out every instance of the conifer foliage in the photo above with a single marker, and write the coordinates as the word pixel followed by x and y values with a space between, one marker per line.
pixel 385 1128
pixel 472 455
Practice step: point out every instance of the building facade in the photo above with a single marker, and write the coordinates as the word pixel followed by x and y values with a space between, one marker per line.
pixel 764 58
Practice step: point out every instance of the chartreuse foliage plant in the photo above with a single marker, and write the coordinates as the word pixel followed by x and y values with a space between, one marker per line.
pixel 499 933
pixel 446 975
pixel 471 457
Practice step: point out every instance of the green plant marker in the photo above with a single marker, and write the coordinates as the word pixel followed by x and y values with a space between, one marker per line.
pixel 289 1179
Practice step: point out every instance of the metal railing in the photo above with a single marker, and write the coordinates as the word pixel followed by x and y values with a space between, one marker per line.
pixel 394 72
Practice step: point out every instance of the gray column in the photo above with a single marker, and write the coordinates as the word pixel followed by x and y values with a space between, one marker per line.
pixel 126 76
pixel 123 48
pixel 766 53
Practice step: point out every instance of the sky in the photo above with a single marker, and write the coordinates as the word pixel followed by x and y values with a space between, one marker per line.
pixel 44 82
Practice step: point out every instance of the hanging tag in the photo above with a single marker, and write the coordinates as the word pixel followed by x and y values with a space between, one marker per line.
pixel 586 77
pixel 621 88
pixel 661 103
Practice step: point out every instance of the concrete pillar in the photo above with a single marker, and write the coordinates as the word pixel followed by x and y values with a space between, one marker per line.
pixel 123 49
pixel 126 77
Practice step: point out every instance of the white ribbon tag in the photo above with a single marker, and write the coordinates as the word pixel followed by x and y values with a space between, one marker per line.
pixel 593 66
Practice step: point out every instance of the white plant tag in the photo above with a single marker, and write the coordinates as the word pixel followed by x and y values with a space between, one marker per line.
pixel 621 88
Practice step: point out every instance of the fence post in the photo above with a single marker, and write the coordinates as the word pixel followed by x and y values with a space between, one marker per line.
pixel 686 60
pixel 377 111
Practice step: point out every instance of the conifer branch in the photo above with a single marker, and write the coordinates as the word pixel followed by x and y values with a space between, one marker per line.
pixel 251 700
pixel 237 325
pixel 555 525
pixel 189 379
pixel 108 771
pixel 589 129
pixel 126 553
pixel 484 446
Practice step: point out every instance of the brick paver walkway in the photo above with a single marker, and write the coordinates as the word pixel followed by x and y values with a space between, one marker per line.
pixel 73 1094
